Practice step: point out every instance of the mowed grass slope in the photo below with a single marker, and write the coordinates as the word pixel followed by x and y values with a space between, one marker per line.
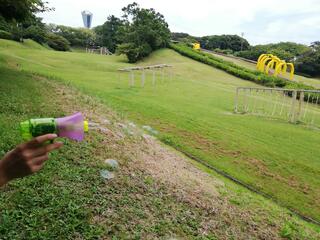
pixel 193 112
pixel 69 200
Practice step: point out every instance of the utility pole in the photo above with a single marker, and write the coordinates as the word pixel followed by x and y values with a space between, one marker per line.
pixel 242 34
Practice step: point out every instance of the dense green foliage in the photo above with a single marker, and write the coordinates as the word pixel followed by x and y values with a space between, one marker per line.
pixel 108 33
pixel 5 35
pixel 309 62
pixel 57 42
pixel 77 37
pixel 237 70
pixel 183 37
pixel 223 42
pixel 21 10
pixel 220 43
pixel 284 50
pixel 143 31
pixel 35 33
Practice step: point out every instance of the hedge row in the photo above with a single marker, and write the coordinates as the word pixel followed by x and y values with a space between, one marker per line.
pixel 238 71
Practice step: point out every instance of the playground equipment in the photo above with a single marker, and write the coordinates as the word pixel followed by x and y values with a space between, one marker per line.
pixel 72 127
pixel 196 46
pixel 295 106
pixel 143 69
pixel 101 50
pixel 270 63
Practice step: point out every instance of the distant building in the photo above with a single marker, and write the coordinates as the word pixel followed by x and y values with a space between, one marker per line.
pixel 87 18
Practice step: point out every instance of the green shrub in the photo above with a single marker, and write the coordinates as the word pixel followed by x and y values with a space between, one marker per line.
pixel 133 52
pixel 236 70
pixel 5 35
pixel 58 42
pixel 35 33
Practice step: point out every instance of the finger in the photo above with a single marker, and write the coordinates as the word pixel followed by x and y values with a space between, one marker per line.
pixel 35 152
pixel 40 160
pixel 41 139
pixel 36 168
pixel 53 146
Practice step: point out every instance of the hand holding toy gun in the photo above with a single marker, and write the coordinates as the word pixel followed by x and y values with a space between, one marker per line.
pixel 72 127
pixel 29 157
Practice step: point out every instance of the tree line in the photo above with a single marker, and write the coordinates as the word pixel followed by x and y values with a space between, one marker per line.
pixel 136 33
pixel 305 58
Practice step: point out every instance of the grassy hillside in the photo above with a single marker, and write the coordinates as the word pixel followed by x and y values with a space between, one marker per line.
pixel 193 112
pixel 69 200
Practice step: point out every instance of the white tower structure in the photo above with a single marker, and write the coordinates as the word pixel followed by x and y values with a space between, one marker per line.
pixel 87 18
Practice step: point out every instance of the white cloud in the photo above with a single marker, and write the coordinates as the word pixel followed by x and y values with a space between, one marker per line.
pixel 262 21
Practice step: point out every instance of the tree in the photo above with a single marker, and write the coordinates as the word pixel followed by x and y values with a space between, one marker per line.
pixel 108 33
pixel 19 19
pixel 80 37
pixel 184 37
pixel 20 10
pixel 309 62
pixel 284 50
pixel 143 31
pixel 34 29
pixel 224 42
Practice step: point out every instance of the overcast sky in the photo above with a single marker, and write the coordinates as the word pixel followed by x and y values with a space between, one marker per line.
pixel 261 21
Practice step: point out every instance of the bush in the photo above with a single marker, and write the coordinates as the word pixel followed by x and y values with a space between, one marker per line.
pixel 238 71
pixel 35 33
pixel 224 42
pixel 134 53
pixel 5 35
pixel 284 50
pixel 57 42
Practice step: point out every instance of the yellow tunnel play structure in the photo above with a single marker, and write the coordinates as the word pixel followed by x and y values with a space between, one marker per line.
pixel 196 46
pixel 269 63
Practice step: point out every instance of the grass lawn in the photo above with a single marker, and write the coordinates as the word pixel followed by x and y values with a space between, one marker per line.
pixel 193 112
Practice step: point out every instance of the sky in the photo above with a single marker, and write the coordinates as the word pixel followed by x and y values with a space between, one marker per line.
pixel 261 22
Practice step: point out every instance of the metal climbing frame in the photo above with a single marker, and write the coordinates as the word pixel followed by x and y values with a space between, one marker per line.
pixel 143 69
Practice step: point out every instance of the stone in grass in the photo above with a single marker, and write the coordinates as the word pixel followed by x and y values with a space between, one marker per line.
pixel 131 124
pixel 106 174
pixel 112 164
pixel 150 130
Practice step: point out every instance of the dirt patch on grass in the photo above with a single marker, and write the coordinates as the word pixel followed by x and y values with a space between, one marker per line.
pixel 262 169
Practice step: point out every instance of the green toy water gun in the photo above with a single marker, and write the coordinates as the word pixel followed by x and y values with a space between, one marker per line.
pixel 72 127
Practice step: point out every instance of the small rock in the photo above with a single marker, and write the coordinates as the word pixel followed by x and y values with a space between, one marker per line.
pixel 112 163
pixel 131 124
pixel 104 130
pixel 106 121
pixel 150 130
pixel 93 124
pixel 121 125
pixel 106 174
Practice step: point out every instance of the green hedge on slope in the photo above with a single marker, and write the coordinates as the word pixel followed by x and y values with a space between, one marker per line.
pixel 236 70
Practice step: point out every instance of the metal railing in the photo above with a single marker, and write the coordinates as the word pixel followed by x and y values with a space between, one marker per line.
pixel 295 106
